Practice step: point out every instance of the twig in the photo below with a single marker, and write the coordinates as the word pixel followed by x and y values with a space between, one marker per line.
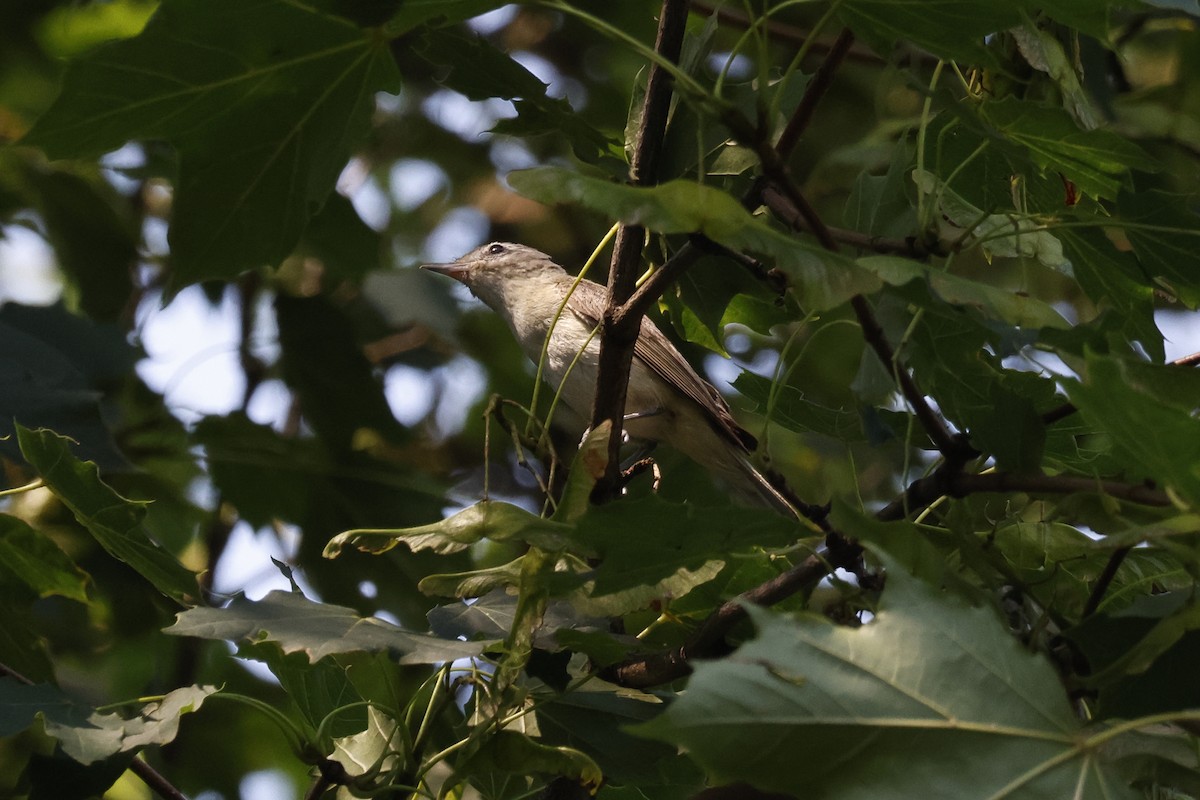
pixel 817 88
pixel 619 332
pixel 668 665
pixel 1105 579
pixel 792 207
pixel 944 482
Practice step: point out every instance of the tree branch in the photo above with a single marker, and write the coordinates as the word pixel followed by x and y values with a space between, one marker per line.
pixel 619 332
pixel 793 207
pixel 708 641
pixel 1105 579
pixel 948 483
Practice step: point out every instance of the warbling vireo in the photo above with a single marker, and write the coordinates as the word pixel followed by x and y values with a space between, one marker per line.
pixel 666 401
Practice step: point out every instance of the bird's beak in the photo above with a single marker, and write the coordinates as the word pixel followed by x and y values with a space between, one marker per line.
pixel 453 269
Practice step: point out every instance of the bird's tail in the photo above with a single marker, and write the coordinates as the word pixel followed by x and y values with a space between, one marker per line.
pixel 753 486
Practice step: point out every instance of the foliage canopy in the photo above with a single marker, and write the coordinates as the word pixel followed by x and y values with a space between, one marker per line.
pixel 930 248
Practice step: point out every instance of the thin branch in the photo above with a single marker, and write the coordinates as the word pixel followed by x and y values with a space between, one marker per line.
pixel 817 88
pixel 1105 579
pixel 944 482
pixel 619 332
pixel 708 641
pixel 154 779
pixel 789 194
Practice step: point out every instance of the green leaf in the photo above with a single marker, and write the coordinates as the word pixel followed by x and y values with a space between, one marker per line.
pixel 317 690
pixel 1114 279
pixel 1165 234
pixel 961 224
pixel 992 302
pixel 822 279
pixel 96 248
pixel 787 406
pixel 879 204
pixel 339 390
pixel 479 70
pixel 346 247
pixel 929 681
pixel 437 12
pixel 1043 52
pixel 1098 161
pixel 87 735
pixel 952 29
pixel 686 537
pixel 488 519
pixel 262 99
pixel 28 557
pixel 55 366
pixel 1162 439
pixel 513 753
pixel 300 625
pixel 378 746
pixel 115 522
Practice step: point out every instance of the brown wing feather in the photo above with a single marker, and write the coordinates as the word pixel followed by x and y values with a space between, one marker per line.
pixel 656 351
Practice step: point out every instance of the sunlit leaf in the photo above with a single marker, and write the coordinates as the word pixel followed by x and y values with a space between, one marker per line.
pixel 489 519
pixel 88 735
pixel 300 625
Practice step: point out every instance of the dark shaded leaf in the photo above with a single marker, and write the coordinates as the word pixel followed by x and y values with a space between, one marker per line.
pixel 115 522
pixel 263 100
pixel 1161 439
pixel 952 29
pixel 1165 234
pixel 1098 161
pixel 29 557
pixel 787 406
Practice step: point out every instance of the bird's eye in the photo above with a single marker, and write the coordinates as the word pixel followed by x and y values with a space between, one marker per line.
pixel 496 249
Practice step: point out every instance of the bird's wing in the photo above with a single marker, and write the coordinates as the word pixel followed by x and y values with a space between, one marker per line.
pixel 656 351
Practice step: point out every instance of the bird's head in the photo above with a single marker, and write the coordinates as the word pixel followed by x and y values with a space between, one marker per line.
pixel 496 263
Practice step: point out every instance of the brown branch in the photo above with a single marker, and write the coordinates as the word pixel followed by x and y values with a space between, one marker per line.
pixel 793 207
pixel 619 332
pixel 817 88
pixel 149 775
pixel 946 483
pixel 1105 579
pixel 709 640
pixel 1059 413
pixel 654 286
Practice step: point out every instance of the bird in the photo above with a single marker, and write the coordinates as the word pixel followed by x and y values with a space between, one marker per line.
pixel 667 401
